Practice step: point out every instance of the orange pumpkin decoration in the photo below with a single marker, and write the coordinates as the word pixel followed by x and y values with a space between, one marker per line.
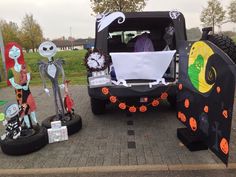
pixel 218 89
pixel 113 99
pixel 122 106
pixel 155 103
pixel 105 90
pixel 164 96
pixel 186 103
pixel 193 124
pixel 179 114
pixel 132 109
pixel 224 146
pixel 143 108
pixel 182 117
pixel 180 86
pixel 225 114
pixel 206 109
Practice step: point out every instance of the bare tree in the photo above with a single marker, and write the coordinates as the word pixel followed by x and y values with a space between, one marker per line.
pixel 213 15
pixel 232 11
pixel 31 33
pixel 100 6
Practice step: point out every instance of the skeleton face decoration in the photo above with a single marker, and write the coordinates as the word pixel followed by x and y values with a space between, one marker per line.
pixel 12 110
pixel 14 53
pixel 47 49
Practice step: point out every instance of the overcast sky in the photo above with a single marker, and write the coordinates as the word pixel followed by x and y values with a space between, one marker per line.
pixel 56 17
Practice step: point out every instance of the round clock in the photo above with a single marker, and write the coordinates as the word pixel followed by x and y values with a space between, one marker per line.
pixel 96 61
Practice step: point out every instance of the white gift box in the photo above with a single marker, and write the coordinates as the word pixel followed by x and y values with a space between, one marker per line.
pixel 57 132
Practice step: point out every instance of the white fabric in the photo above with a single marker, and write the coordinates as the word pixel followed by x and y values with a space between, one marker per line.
pixel 141 65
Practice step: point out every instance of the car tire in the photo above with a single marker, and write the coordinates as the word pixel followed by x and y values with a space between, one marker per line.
pixel 225 43
pixel 98 106
pixel 74 125
pixel 25 145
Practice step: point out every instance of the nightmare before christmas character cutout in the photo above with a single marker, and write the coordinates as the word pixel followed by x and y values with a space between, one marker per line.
pixel 206 94
pixel 23 134
pixel 51 70
pixel 68 101
pixel 19 78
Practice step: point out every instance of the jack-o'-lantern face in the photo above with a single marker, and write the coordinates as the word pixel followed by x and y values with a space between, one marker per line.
pixel 224 146
pixel 182 117
pixel 113 99
pixel 122 106
pixel 193 124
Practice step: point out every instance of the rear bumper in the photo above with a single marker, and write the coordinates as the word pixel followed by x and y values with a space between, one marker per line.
pixel 134 91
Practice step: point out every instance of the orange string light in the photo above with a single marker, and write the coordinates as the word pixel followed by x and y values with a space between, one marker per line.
pixel 123 106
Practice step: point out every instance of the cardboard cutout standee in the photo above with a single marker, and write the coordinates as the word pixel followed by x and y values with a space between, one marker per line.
pixel 51 70
pixel 23 134
pixel 206 95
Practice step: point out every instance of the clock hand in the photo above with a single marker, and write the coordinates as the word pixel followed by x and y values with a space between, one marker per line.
pixel 96 61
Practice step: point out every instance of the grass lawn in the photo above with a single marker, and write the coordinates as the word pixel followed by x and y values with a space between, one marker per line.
pixel 234 38
pixel 74 67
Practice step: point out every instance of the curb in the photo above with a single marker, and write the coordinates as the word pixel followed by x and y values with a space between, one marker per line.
pixel 115 169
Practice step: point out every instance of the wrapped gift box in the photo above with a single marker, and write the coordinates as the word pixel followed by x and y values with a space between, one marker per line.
pixel 57 132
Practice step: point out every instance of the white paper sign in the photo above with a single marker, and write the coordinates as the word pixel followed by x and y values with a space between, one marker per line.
pixel 99 81
pixel 141 65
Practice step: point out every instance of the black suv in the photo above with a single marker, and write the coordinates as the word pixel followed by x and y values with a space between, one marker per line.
pixel 121 38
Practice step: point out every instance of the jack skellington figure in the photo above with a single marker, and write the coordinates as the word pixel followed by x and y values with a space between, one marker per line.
pixel 51 70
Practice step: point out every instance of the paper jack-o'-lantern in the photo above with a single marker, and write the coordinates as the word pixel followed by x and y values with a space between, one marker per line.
pixel 180 86
pixel 155 103
pixel 164 96
pixel 218 89
pixel 132 109
pixel 105 90
pixel 224 146
pixel 143 108
pixel 193 124
pixel 225 114
pixel 182 117
pixel 186 103
pixel 206 109
pixel 122 106
pixel 113 99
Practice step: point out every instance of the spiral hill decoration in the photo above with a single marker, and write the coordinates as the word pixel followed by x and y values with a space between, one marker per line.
pixel 200 71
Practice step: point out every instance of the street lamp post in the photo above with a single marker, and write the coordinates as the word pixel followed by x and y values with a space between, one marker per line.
pixel 2 52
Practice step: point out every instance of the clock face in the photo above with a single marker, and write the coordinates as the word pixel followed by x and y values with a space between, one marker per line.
pixel 96 61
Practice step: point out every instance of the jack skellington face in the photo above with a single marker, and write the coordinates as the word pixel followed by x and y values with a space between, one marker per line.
pixel 47 49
